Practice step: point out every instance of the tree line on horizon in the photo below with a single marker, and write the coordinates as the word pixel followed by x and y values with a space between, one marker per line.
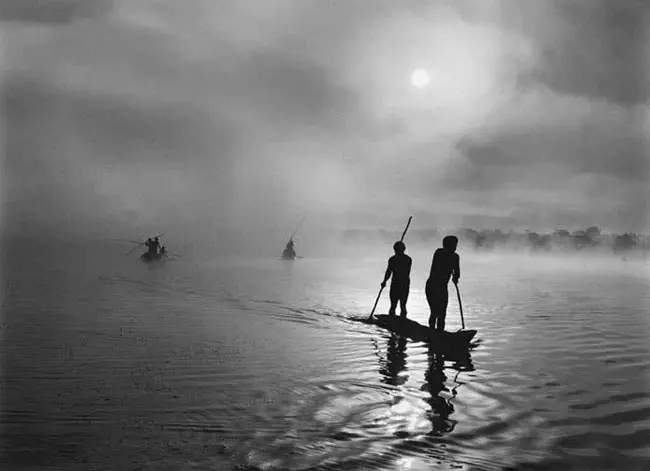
pixel 592 238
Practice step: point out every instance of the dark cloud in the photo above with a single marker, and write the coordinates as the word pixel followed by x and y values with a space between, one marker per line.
pixel 585 149
pixel 52 11
pixel 77 161
pixel 251 112
pixel 139 129
pixel 299 94
pixel 118 128
pixel 273 83
pixel 599 49
pixel 133 127
pixel 590 48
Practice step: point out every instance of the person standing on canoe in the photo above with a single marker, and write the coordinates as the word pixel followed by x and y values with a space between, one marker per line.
pixel 445 265
pixel 399 265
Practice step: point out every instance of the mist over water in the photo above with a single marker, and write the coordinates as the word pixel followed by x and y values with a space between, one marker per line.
pixel 233 133
pixel 214 362
pixel 222 125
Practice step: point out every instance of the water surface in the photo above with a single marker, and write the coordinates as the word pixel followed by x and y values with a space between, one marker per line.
pixel 258 363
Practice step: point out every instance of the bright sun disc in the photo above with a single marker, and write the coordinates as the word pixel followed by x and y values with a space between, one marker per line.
pixel 420 78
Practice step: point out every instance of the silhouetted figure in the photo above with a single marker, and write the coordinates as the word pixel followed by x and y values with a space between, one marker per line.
pixel 289 253
pixel 163 252
pixel 445 264
pixel 156 244
pixel 399 266
pixel 151 248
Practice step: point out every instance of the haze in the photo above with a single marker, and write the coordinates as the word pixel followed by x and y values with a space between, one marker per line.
pixel 225 122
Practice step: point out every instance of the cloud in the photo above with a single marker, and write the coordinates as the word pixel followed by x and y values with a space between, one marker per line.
pixel 583 136
pixel 598 50
pixel 248 114
pixel 548 134
pixel 51 11
pixel 588 48
pixel 69 155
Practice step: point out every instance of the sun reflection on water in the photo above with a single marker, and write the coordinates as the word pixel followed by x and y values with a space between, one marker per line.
pixel 425 409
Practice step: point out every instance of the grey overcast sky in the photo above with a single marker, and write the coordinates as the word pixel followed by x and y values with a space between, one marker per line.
pixel 240 116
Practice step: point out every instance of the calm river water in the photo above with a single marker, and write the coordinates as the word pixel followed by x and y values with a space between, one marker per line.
pixel 252 364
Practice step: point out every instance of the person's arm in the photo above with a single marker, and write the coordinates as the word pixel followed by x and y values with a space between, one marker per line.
pixel 456 277
pixel 389 271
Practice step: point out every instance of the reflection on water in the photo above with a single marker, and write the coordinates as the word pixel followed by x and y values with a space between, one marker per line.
pixel 395 362
pixel 256 363
pixel 441 406
pixel 394 370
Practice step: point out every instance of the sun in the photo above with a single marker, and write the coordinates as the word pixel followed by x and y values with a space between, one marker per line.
pixel 420 78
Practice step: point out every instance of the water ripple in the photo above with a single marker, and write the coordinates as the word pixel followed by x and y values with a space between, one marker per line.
pixel 260 364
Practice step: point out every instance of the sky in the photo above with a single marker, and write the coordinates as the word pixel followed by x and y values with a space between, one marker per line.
pixel 231 120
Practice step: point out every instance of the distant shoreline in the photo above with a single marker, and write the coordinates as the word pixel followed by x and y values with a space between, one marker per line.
pixel 591 239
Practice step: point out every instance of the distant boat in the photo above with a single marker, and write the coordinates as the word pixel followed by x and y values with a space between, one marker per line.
pixel 153 254
pixel 150 258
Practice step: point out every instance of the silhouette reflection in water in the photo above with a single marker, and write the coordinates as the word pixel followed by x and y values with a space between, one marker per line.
pixel 436 384
pixel 395 361
pixel 441 406
pixel 441 395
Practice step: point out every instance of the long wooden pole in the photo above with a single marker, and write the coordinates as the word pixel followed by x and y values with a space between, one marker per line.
pixel 382 288
pixel 130 251
pixel 460 305
pixel 297 227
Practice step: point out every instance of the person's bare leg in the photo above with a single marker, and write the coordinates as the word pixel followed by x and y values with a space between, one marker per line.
pixel 394 298
pixel 442 314
pixel 441 323
pixel 393 306
pixel 430 301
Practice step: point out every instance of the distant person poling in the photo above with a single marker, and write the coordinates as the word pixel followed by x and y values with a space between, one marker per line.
pixel 152 253
pixel 289 252
pixel 155 251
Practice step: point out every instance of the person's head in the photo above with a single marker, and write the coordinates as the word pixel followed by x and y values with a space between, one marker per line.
pixel 156 239
pixel 399 247
pixel 450 243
